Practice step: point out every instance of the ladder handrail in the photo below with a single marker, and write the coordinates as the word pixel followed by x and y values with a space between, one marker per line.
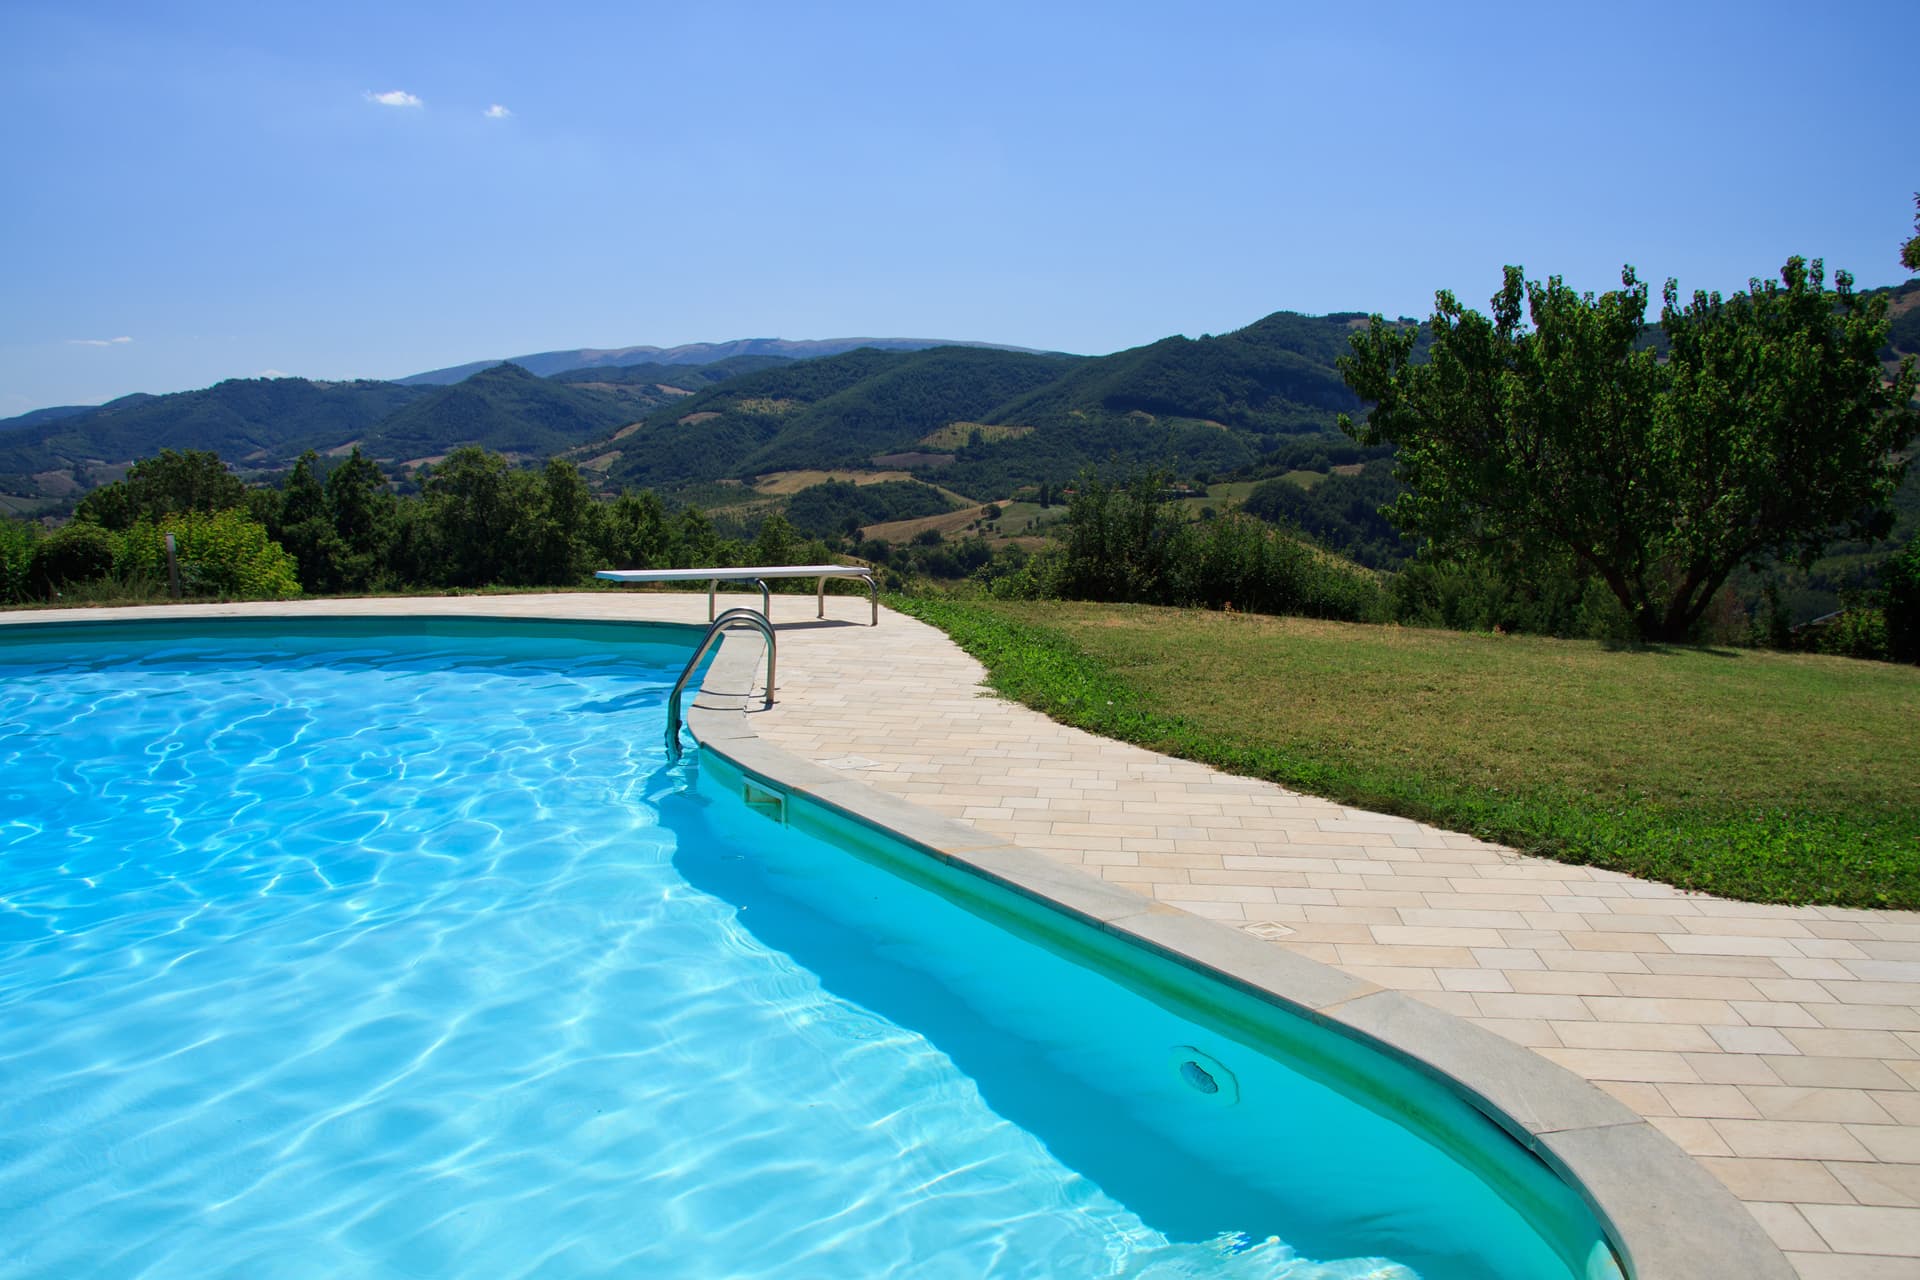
pixel 714 631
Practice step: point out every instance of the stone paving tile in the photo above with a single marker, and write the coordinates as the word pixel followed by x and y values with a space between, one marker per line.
pixel 1779 1045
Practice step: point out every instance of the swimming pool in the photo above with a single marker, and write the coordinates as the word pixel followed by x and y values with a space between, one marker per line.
pixel 395 948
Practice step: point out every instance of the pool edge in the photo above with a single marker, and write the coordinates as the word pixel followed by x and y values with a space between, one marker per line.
pixel 1669 1218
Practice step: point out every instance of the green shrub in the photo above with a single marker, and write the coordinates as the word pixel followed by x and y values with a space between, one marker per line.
pixel 77 552
pixel 1462 595
pixel 1015 575
pixel 190 480
pixel 1125 544
pixel 224 554
pixel 1859 632
pixel 1239 562
pixel 17 541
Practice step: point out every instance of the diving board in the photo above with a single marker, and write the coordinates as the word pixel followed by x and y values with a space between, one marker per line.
pixel 757 575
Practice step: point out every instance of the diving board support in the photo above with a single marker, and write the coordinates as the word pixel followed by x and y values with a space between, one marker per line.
pixel 766 596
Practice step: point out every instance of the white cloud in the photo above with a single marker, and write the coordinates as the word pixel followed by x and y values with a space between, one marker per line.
pixel 496 112
pixel 272 373
pixel 394 98
pixel 96 342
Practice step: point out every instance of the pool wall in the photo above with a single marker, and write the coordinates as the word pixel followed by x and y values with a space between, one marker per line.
pixel 1666 1217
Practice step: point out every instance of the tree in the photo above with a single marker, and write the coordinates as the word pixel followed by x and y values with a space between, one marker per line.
pixel 191 480
pixel 223 553
pixel 636 533
pixel 365 520
pixel 304 527
pixel 472 505
pixel 1910 251
pixel 695 544
pixel 78 552
pixel 17 541
pixel 1767 431
pixel 566 527
pixel 1123 542
pixel 775 542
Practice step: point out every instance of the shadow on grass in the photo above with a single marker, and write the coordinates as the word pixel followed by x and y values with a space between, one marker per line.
pixel 1657 649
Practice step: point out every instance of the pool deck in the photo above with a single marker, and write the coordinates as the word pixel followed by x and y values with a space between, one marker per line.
pixel 1778 1046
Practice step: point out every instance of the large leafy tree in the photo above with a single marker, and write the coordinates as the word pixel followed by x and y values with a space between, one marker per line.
pixel 566 528
pixel 474 504
pixel 168 484
pixel 304 526
pixel 365 519
pixel 1563 439
pixel 637 536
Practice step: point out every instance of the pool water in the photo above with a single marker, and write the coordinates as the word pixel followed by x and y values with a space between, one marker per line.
pixel 397 949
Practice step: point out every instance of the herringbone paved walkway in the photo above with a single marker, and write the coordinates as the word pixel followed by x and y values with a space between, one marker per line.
pixel 1780 1046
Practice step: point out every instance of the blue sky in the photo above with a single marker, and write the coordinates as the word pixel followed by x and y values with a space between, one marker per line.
pixel 196 191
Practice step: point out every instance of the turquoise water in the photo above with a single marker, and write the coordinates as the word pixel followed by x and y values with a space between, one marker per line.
pixel 407 955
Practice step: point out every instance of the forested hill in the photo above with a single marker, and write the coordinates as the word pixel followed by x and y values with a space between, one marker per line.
pixel 247 421
pixel 981 420
pixel 505 409
pixel 984 422
pixel 1903 334
pixel 1274 376
pixel 978 419
pixel 837 412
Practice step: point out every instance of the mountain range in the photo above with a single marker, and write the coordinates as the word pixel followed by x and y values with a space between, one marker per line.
pixel 979 419
pixel 982 417
pixel 546 363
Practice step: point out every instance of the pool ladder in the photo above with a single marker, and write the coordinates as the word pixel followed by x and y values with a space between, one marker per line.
pixel 719 625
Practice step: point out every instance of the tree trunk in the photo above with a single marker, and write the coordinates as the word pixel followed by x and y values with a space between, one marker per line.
pixel 1689 603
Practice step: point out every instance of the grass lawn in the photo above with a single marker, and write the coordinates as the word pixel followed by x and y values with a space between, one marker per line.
pixel 1765 776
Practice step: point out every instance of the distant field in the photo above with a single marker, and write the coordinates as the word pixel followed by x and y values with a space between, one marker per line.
pixel 57 484
pixel 1758 775
pixel 1026 523
pixel 782 483
pixel 949 524
pixel 955 434
pixel 1225 495
pixel 1221 497
pixel 1024 520
pixel 23 508
pixel 1304 478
